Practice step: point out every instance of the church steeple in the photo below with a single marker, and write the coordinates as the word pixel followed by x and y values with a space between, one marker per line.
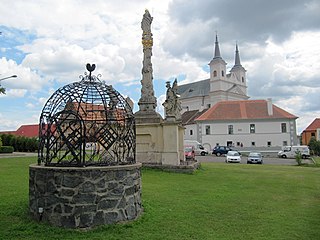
pixel 216 48
pixel 237 57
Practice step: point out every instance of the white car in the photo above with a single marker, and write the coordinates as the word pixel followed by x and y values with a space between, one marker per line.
pixel 233 156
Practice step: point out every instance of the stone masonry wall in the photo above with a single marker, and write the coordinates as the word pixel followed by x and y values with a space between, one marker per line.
pixel 85 197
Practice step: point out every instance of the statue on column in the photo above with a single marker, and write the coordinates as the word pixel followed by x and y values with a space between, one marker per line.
pixel 148 101
pixel 172 104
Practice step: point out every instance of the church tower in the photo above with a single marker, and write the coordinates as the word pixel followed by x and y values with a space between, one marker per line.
pixel 217 64
pixel 239 73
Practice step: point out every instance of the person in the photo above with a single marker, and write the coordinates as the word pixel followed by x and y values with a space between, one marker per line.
pixel 146 21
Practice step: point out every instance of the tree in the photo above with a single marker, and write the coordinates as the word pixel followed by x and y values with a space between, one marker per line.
pixel 314 146
pixel 2 90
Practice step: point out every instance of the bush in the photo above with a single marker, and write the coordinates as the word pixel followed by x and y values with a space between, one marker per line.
pixel 19 143
pixel 298 158
pixel 6 149
pixel 0 141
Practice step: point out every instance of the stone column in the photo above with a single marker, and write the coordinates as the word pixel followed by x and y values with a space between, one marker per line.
pixel 147 102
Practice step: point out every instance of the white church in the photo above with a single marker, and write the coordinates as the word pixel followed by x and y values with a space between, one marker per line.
pixel 216 111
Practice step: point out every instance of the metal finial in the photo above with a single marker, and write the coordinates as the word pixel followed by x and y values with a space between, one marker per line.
pixel 90 68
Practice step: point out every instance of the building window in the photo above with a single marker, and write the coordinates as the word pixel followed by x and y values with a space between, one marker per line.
pixel 214 73
pixel 285 143
pixel 222 73
pixel 191 132
pixel 207 130
pixel 253 144
pixel 313 134
pixel 230 129
pixel 283 127
pixel 209 105
pixel 238 144
pixel 242 79
pixel 269 144
pixel 252 128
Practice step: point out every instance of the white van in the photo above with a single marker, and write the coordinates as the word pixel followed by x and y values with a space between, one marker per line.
pixel 291 151
pixel 198 148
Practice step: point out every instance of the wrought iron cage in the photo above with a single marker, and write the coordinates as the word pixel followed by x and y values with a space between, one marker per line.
pixel 87 123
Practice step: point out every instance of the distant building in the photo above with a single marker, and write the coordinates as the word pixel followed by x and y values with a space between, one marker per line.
pixel 31 130
pixel 313 130
pixel 217 110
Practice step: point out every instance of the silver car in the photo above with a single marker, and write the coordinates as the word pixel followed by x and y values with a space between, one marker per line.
pixel 233 156
pixel 255 157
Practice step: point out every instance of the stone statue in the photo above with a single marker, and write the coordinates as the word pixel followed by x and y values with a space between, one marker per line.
pixel 172 105
pixel 146 21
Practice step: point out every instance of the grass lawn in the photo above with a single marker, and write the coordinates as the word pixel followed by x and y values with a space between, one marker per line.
pixel 220 201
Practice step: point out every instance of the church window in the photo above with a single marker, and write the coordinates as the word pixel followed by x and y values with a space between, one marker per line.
pixel 269 144
pixel 242 79
pixel 230 129
pixel 214 73
pixel 222 73
pixel 191 132
pixel 283 127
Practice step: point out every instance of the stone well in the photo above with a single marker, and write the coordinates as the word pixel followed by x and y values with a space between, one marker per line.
pixel 84 197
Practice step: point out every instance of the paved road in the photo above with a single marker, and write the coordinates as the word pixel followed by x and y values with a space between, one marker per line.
pixel 266 160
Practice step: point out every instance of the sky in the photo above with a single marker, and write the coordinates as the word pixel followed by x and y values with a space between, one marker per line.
pixel 47 44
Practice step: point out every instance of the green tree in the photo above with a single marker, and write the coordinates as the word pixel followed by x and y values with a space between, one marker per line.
pixel 2 90
pixel 314 146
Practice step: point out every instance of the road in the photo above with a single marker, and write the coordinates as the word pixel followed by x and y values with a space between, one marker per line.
pixel 266 160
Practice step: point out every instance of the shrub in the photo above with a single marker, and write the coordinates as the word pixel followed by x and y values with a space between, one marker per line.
pixel 6 149
pixel 0 141
pixel 298 158
pixel 19 143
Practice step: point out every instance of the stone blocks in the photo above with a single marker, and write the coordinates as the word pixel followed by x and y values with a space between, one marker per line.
pixel 85 197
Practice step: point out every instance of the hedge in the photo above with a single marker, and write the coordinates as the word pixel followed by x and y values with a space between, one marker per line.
pixel 6 149
pixel 20 143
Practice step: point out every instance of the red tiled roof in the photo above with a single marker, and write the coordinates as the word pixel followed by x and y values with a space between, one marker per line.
pixel 314 125
pixel 245 109
pixel 31 130
pixel 28 130
pixel 188 117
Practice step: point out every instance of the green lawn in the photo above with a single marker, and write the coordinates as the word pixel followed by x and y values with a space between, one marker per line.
pixel 220 201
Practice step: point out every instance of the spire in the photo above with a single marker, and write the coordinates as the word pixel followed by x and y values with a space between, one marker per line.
pixel 216 48
pixel 237 58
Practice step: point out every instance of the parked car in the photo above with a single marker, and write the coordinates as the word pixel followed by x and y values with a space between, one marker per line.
pixel 255 157
pixel 189 152
pixel 221 150
pixel 233 156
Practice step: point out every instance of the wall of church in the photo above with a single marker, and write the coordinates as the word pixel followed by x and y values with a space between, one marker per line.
pixel 195 103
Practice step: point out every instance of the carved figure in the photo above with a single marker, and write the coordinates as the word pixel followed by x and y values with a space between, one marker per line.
pixel 172 105
pixel 146 21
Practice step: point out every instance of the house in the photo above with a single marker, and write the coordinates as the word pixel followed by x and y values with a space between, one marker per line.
pixel 313 130
pixel 31 130
pixel 217 110
pixel 246 123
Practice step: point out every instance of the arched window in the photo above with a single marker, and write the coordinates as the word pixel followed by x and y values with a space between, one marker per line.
pixel 242 79
pixel 222 73
pixel 214 73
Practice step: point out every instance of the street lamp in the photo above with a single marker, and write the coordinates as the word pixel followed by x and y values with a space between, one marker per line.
pixel 3 90
pixel 13 76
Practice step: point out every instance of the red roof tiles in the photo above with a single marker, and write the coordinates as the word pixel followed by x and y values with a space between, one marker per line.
pixel 245 109
pixel 314 125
